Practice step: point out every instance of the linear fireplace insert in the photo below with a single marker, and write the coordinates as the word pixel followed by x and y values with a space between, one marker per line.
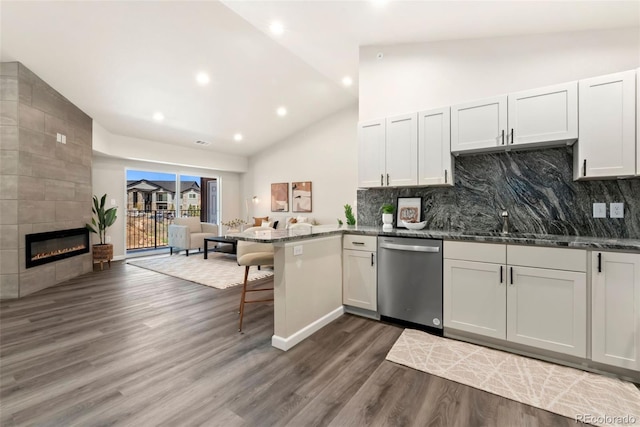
pixel 42 248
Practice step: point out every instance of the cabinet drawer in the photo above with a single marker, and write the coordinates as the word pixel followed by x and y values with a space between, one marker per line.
pixel 480 252
pixel 553 258
pixel 359 243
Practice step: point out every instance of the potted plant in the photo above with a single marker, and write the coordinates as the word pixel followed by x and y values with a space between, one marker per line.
pixel 348 213
pixel 101 220
pixel 387 216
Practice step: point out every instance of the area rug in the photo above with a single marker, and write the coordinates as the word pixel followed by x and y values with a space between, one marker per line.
pixel 588 397
pixel 219 271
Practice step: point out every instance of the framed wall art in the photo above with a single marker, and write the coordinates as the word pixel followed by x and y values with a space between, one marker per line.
pixel 301 196
pixel 409 210
pixel 280 197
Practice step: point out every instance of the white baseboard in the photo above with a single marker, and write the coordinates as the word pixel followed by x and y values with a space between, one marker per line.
pixel 119 258
pixel 289 342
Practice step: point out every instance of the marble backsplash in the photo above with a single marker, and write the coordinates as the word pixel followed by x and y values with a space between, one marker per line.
pixel 535 187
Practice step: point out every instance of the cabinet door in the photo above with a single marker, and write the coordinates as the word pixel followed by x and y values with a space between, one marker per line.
pixel 638 121
pixel 474 297
pixel 402 150
pixel 359 286
pixel 435 163
pixel 371 146
pixel 607 145
pixel 547 309
pixel 544 115
pixel 479 125
pixel 615 312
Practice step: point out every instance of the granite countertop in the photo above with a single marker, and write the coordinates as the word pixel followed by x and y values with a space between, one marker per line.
pixel 578 242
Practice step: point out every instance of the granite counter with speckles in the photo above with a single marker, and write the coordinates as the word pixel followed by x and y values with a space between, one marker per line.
pixel 577 242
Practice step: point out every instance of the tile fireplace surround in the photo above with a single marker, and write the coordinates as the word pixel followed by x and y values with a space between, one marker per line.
pixel 44 185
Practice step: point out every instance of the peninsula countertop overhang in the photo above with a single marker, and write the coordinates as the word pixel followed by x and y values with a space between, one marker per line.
pixel 576 242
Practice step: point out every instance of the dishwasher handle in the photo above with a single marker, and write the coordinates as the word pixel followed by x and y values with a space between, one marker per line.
pixel 410 248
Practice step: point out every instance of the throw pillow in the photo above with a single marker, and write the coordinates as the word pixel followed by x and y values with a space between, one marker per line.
pixel 265 224
pixel 257 221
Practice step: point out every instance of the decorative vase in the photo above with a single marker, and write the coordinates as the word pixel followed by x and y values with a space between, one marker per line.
pixel 101 253
pixel 387 222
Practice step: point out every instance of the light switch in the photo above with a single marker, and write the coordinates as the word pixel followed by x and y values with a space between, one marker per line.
pixel 297 250
pixel 599 210
pixel 58 137
pixel 113 202
pixel 617 210
pixel 64 139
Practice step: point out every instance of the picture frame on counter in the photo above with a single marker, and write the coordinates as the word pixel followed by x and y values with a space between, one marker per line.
pixel 409 210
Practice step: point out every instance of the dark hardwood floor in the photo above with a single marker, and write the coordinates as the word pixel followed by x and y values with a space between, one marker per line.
pixel 129 346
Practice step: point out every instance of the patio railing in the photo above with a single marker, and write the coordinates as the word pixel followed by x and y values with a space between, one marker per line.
pixel 150 229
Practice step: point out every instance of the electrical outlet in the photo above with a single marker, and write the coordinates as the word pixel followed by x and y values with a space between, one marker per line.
pixel 58 137
pixel 297 250
pixel 108 239
pixel 599 210
pixel 617 210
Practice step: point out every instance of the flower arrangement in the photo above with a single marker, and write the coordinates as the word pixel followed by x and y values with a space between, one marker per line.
pixel 234 223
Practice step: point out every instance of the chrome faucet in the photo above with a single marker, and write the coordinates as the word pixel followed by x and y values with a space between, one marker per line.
pixel 505 221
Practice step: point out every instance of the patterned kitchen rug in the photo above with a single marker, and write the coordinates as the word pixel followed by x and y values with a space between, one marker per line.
pixel 220 271
pixel 591 398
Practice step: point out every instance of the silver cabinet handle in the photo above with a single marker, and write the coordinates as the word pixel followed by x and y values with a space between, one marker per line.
pixel 358 243
pixel 445 176
pixel 512 140
pixel 381 179
pixel 410 248
pixel 372 259
pixel 387 179
pixel 502 136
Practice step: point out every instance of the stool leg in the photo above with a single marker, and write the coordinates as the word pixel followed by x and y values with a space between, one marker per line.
pixel 242 299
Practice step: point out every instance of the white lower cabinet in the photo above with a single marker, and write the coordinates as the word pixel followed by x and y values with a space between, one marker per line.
pixel 473 297
pixel 516 293
pixel 548 309
pixel 615 314
pixel 359 272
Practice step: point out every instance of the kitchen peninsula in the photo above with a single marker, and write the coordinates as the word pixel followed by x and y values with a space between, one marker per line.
pixel 308 268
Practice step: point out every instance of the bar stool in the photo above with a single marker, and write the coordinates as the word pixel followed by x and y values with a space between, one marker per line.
pixel 253 254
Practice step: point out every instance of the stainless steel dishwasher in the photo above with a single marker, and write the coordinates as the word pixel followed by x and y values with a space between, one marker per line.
pixel 410 280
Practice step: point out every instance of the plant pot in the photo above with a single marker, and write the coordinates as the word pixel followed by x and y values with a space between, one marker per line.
pixel 387 222
pixel 102 253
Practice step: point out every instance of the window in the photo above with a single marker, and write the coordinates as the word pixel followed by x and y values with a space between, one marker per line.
pixel 161 197
pixel 192 196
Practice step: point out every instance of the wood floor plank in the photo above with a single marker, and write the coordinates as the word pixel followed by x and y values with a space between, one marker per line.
pixel 128 346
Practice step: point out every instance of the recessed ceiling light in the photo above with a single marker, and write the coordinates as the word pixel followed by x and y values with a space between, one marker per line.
pixel 347 81
pixel 200 142
pixel 158 117
pixel 202 78
pixel 281 111
pixel 237 137
pixel 276 28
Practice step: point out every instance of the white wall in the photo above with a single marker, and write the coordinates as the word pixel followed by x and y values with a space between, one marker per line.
pixel 421 76
pixel 324 153
pixel 126 147
pixel 109 176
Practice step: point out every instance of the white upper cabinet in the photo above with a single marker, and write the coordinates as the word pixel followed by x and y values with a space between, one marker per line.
pixel 544 115
pixel 371 152
pixel 607 144
pixel 479 126
pixel 401 150
pixel 387 151
pixel 536 117
pixel 435 164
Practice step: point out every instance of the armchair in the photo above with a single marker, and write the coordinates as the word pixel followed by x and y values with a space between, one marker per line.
pixel 189 233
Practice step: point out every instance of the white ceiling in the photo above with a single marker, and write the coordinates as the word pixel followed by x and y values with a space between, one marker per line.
pixel 122 61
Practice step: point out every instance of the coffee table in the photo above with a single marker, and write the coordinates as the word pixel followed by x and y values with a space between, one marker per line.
pixel 229 247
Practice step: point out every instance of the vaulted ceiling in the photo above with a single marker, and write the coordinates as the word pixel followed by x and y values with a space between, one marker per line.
pixel 123 61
